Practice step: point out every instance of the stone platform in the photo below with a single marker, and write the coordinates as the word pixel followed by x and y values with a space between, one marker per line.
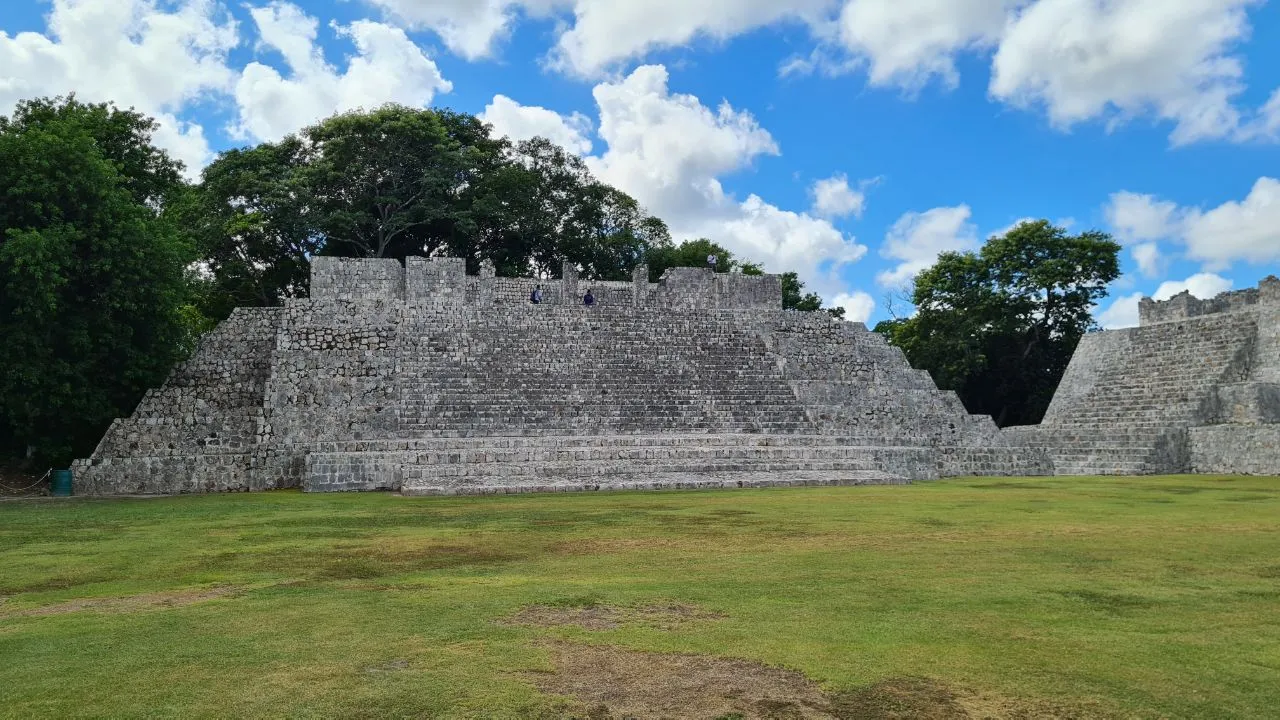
pixel 422 379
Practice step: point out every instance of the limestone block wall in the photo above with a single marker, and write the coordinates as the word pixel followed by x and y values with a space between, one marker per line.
pixel 1164 375
pixel 1267 358
pixel 516 291
pixel 855 382
pixel 426 278
pixel 1184 305
pixel 570 369
pixel 335 278
pixel 1246 403
pixel 334 391
pixel 334 371
pixel 202 430
pixel 1233 449
pixel 701 289
pixel 607 293
pixel 440 278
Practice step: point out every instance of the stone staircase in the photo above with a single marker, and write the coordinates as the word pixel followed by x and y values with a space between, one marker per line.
pixel 1143 398
pixel 565 370
pixel 446 466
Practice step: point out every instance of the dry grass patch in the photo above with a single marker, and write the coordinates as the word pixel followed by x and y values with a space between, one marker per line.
pixel 611 683
pixel 662 616
pixel 133 603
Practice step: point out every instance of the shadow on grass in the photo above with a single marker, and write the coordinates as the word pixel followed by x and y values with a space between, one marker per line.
pixel 1115 603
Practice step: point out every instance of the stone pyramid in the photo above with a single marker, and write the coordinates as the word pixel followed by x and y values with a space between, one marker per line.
pixel 419 378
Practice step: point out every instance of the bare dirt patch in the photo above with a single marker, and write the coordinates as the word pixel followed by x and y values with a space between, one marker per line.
pixel 611 683
pixel 134 603
pixel 662 616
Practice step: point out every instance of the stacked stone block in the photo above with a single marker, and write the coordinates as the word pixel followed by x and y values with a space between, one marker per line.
pixel 422 379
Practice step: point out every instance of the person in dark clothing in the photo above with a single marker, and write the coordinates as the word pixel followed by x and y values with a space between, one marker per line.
pixel 535 297
pixel 589 299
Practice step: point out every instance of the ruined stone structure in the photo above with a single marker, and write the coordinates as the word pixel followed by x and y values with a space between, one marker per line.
pixel 1194 388
pixel 420 378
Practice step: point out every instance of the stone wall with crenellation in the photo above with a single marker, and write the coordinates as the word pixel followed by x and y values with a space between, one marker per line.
pixel 1184 305
pixel 445 279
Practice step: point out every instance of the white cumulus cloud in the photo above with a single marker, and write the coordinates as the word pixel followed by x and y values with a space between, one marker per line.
pixel 1247 230
pixel 523 122
pixel 1083 59
pixel 605 33
pixel 857 305
pixel 469 28
pixel 156 57
pixel 668 150
pixel 596 36
pixel 1150 259
pixel 916 239
pixel 387 67
pixel 909 42
pixel 1077 60
pixel 832 198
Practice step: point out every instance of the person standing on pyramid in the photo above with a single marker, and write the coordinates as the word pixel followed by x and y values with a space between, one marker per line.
pixel 535 297
pixel 711 261
pixel 589 300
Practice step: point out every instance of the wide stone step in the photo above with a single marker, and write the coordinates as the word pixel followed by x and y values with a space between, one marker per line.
pixel 671 480
pixel 562 441
pixel 509 462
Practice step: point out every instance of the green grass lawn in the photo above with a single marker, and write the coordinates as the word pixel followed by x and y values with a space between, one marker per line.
pixel 1057 597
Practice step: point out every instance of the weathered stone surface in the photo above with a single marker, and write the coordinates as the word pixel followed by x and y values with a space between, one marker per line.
pixel 1228 449
pixel 1193 388
pixel 423 379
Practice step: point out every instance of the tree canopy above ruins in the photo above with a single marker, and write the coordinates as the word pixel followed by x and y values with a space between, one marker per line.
pixel 1000 325
pixel 396 182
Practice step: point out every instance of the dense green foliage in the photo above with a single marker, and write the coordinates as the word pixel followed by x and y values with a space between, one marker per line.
pixel 1052 597
pixel 92 293
pixel 999 326
pixel 397 182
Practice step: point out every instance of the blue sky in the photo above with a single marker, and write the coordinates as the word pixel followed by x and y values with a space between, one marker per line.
pixel 850 140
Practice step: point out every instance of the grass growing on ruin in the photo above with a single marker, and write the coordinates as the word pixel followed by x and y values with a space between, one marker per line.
pixel 1141 597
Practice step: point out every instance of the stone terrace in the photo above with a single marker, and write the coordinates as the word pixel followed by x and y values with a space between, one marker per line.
pixel 423 379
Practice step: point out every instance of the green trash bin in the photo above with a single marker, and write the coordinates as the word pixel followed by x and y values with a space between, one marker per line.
pixel 61 483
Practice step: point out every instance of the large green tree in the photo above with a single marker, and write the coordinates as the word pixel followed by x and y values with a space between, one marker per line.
pixel 999 325
pixel 250 229
pixel 401 181
pixel 91 273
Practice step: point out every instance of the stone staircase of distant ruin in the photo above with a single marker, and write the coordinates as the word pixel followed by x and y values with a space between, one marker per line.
pixel 1145 388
